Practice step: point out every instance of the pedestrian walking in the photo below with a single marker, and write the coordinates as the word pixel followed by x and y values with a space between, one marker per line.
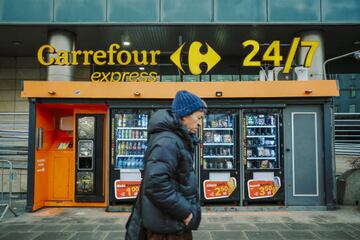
pixel 167 206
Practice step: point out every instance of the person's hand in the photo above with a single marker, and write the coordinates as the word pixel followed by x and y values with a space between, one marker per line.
pixel 188 219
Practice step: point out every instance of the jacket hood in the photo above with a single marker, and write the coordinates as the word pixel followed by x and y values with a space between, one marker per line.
pixel 165 120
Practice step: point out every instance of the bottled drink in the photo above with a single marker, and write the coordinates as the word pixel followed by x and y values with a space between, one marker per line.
pixel 128 163
pixel 119 120
pixel 143 147
pixel 133 163
pixel 122 148
pixel 141 163
pixel 124 120
pixel 139 148
pixel 138 162
pixel 139 123
pixel 131 148
pixel 230 123
pixel 117 163
pixel 143 121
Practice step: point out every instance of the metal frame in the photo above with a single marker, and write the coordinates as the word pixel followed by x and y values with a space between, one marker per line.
pixel 31 156
pixel 7 205
pixel 316 154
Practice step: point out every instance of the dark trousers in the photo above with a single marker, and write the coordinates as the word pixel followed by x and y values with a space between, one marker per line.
pixel 158 236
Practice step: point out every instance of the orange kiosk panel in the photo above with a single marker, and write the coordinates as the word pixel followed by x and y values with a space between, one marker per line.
pixel 55 163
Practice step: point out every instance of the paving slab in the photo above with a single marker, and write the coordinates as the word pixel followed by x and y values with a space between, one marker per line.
pixel 54 236
pixel 16 227
pixel 356 234
pixel 89 236
pixel 298 235
pixel 111 227
pixel 49 227
pixel 211 226
pixel 263 235
pixel 115 236
pixel 334 235
pixel 201 235
pixel 47 220
pixel 108 220
pixel 240 226
pixel 81 227
pixel 337 226
pixel 20 236
pixel 228 235
pixel 271 226
pixel 302 226
pixel 220 219
pixel 355 225
pixel 73 220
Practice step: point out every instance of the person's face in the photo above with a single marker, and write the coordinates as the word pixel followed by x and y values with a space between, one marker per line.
pixel 193 122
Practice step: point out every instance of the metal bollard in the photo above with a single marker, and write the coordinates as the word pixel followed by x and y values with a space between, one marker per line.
pixel 3 203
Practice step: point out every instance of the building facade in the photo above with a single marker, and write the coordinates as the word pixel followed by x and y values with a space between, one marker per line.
pixel 165 25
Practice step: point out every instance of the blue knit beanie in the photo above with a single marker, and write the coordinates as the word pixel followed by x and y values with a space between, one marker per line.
pixel 185 103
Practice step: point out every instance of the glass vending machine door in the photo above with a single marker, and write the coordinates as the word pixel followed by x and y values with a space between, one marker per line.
pixel 262 165
pixel 218 167
pixel 129 145
pixel 131 138
pixel 218 142
pixel 261 133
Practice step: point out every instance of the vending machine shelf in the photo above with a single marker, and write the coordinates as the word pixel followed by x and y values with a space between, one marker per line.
pixel 131 139
pixel 261 136
pixel 261 158
pixel 218 144
pixel 132 128
pixel 130 156
pixel 123 170
pixel 217 129
pixel 254 146
pixel 270 126
pixel 218 156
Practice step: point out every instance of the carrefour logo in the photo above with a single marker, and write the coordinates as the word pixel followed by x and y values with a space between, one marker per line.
pixel 195 58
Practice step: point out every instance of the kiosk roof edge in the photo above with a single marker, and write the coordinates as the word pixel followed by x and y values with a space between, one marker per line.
pixel 136 90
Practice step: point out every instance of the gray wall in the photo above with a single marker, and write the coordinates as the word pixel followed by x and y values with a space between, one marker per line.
pixel 13 70
pixel 348 83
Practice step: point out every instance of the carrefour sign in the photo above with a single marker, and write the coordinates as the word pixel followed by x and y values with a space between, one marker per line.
pixel 115 55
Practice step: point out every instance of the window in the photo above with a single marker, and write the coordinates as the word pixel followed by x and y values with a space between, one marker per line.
pixel 352 108
pixel 352 91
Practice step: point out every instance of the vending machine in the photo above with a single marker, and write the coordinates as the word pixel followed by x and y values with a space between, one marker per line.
pixel 219 164
pixel 128 145
pixel 89 158
pixel 262 156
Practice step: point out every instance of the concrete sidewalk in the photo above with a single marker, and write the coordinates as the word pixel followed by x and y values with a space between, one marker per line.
pixel 95 223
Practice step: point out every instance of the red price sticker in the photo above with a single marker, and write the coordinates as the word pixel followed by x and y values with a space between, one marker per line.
pixel 126 189
pixel 263 188
pixel 219 189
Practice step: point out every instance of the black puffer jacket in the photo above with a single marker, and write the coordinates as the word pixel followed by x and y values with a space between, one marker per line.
pixel 169 192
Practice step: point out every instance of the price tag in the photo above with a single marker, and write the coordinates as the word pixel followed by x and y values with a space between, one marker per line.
pixel 126 189
pixel 258 189
pixel 219 189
